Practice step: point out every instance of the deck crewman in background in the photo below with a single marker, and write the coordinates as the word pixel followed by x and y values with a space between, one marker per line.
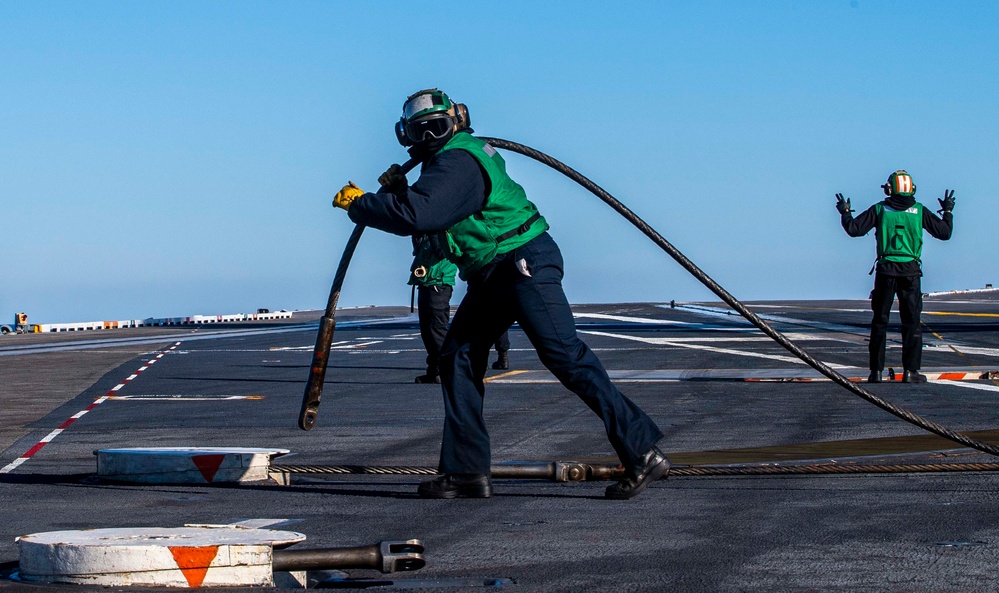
pixel 434 282
pixel 502 347
pixel 482 220
pixel 899 221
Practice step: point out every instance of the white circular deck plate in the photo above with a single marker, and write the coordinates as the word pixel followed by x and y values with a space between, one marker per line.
pixel 186 465
pixel 188 557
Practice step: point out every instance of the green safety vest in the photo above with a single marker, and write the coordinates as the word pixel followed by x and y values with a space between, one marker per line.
pixel 440 273
pixel 900 233
pixel 507 221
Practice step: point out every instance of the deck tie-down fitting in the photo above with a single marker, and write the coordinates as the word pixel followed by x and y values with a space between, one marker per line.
pixel 553 471
pixel 387 557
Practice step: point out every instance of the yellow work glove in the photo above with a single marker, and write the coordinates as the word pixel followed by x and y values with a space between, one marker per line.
pixel 346 196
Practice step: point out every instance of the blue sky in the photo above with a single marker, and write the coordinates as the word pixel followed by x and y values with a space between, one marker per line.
pixel 176 158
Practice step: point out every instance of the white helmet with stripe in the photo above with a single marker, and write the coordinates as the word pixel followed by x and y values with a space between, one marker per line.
pixel 899 184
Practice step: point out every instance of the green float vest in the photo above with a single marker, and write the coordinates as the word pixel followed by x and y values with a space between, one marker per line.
pixel 900 233
pixel 438 274
pixel 507 221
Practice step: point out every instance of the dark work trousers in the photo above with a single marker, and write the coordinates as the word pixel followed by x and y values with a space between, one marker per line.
pixel 434 310
pixel 525 285
pixel 910 305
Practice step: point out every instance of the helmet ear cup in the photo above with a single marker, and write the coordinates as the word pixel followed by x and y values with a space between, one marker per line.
pixel 462 120
pixel 887 189
pixel 400 133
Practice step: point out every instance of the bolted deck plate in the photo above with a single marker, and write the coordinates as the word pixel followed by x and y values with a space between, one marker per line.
pixel 188 557
pixel 186 465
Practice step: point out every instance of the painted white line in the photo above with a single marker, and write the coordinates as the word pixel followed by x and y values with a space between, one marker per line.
pixel 674 342
pixel 978 386
pixel 306 347
pixel 761 338
pixel 678 324
pixel 12 465
pixel 49 437
pixel 360 345
pixel 981 351
pixel 342 345
pixel 729 313
pixel 839 310
pixel 629 319
pixel 184 397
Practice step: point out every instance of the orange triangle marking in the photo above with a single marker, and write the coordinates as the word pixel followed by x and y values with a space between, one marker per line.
pixel 208 465
pixel 194 562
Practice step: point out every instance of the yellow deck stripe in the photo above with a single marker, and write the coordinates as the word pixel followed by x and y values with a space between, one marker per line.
pixel 961 314
pixel 503 375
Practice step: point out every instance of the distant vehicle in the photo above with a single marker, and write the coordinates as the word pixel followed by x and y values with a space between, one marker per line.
pixel 263 310
pixel 20 325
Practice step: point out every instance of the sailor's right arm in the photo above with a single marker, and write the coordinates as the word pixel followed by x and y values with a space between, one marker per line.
pixel 451 188
pixel 860 225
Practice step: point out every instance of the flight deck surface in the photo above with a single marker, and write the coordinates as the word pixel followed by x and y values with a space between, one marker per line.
pixel 723 393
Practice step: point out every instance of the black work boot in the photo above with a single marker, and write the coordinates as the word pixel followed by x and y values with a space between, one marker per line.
pixel 874 377
pixel 431 376
pixel 457 486
pixel 913 377
pixel 653 466
pixel 502 361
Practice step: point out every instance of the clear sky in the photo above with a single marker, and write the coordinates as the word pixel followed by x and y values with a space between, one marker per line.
pixel 177 158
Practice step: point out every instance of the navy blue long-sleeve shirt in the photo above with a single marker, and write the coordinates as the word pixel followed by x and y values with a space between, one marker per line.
pixel 451 187
pixel 939 228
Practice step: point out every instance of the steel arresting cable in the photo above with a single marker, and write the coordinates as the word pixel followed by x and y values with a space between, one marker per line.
pixel 676 471
pixel 735 304
pixel 385 470
pixel 311 398
pixel 824 468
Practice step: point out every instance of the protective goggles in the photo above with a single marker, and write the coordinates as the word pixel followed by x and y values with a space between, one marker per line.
pixel 429 129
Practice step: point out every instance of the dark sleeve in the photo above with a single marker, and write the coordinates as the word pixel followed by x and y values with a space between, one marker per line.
pixel 941 228
pixel 450 189
pixel 861 225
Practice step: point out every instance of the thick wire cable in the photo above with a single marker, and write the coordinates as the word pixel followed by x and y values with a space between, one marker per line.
pixel 687 471
pixel 735 304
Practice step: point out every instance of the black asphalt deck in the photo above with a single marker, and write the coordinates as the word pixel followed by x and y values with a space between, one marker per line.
pixel 721 391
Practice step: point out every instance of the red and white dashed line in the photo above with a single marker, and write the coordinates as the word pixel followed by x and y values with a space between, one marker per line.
pixel 944 377
pixel 48 438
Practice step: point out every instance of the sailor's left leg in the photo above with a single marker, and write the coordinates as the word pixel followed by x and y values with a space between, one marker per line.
pixel 910 307
pixel 544 314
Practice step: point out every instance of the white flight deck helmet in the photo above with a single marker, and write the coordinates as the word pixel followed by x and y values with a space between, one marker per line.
pixel 900 184
pixel 430 116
